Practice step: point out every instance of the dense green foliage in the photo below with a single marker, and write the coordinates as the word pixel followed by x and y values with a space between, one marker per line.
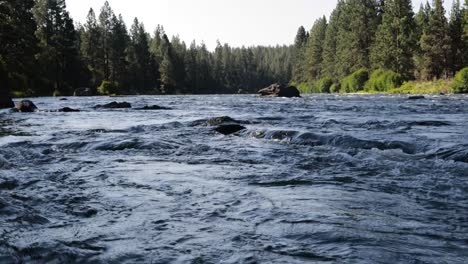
pixel 384 37
pixel 355 82
pixel 460 82
pixel 381 80
pixel 44 53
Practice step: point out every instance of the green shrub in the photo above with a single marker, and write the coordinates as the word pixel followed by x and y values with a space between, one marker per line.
pixel 382 81
pixel 108 88
pixel 323 85
pixel 355 82
pixel 460 82
pixel 335 88
pixel 423 87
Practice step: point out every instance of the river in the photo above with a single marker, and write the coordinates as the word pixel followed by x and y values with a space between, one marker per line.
pixel 324 178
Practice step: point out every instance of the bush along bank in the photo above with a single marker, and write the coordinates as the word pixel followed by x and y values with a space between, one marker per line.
pixel 387 82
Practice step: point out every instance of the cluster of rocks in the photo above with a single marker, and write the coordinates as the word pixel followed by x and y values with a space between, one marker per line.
pixel 27 106
pixel 124 105
pixel 280 90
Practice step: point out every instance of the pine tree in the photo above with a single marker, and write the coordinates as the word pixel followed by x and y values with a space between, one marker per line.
pixel 435 44
pixel 457 49
pixel 465 34
pixel 356 29
pixel 18 47
pixel 395 40
pixel 166 68
pixel 105 26
pixel 314 50
pixel 91 49
pixel 120 42
pixel 299 74
pixel 140 59
pixel 329 49
pixel 59 46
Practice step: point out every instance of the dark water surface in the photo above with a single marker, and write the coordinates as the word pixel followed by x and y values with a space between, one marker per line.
pixel 335 179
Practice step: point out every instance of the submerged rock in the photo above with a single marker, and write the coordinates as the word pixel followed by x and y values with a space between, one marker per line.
pixel 228 129
pixel 280 90
pixel 215 121
pixel 63 99
pixel 115 105
pixel 5 100
pixel 26 106
pixel 153 107
pixel 68 110
pixel 416 97
pixel 83 91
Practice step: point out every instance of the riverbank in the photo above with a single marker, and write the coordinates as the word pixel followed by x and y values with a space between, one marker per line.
pixel 411 87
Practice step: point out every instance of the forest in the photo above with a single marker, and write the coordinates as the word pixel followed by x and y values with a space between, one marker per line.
pixel 372 45
pixel 45 53
pixel 378 46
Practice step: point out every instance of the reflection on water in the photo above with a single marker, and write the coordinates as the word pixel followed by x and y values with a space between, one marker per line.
pixel 336 179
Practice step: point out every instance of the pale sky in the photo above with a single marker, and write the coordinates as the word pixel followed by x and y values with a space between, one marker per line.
pixel 237 22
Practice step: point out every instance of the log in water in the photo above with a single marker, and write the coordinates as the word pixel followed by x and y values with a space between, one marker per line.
pixel 340 179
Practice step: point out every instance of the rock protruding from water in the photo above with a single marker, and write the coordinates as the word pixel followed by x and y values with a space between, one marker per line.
pixel 223 124
pixel 5 100
pixel 26 106
pixel 67 110
pixel 215 121
pixel 228 129
pixel 83 91
pixel 416 97
pixel 115 105
pixel 153 107
pixel 280 90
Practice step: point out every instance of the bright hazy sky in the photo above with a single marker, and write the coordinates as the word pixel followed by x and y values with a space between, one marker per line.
pixel 237 22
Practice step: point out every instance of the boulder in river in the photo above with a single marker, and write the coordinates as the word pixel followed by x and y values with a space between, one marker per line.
pixel 83 91
pixel 115 105
pixel 228 129
pixel 215 121
pixel 26 106
pixel 153 107
pixel 280 90
pixel 416 97
pixel 5 100
pixel 68 110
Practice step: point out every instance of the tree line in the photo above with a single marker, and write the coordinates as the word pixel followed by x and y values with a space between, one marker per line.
pixel 43 52
pixel 381 40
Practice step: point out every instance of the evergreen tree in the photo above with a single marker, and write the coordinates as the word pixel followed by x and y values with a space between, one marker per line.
pixel 299 68
pixel 140 59
pixel 395 40
pixel 18 47
pixel 329 50
pixel 166 68
pixel 120 42
pixel 105 26
pixel 465 33
pixel 91 47
pixel 356 29
pixel 457 49
pixel 59 46
pixel 435 44
pixel 314 50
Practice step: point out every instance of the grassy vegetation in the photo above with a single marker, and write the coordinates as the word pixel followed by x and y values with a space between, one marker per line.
pixel 387 82
pixel 412 87
pixel 420 87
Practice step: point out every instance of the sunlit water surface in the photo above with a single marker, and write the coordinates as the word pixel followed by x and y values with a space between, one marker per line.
pixel 336 179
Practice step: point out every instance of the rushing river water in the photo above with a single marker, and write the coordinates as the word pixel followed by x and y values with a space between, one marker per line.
pixel 336 179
